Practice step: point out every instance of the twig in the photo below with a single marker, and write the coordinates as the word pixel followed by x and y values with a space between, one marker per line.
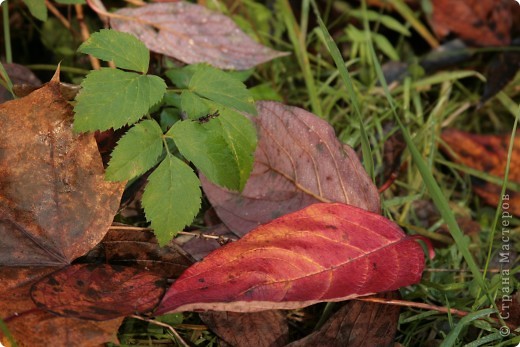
pixel 58 15
pixel 442 309
pixel 85 34
pixel 413 304
pixel 164 325
pixel 198 234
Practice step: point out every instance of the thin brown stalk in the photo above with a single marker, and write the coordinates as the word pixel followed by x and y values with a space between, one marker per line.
pixel 58 15
pixel 180 340
pixel 85 34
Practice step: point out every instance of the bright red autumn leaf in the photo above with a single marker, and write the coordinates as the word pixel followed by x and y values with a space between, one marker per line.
pixel 298 162
pixel 193 34
pixel 325 252
pixel 477 22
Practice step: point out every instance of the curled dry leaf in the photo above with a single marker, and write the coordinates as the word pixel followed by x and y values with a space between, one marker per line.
pixel 487 153
pixel 325 252
pixel 193 34
pixel 298 162
pixel 478 22
pixel 98 292
pixel 54 202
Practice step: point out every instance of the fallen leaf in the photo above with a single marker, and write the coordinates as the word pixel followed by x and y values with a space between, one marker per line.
pixel 98 292
pixel 357 323
pixel 298 162
pixel 193 34
pixel 259 329
pixel 487 153
pixel 54 203
pixel 478 22
pixel 139 249
pixel 325 252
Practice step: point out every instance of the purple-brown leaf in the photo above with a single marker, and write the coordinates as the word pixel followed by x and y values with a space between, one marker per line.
pixel 298 162
pixel 193 34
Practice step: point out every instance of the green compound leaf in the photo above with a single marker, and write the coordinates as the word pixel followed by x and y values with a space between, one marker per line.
pixel 125 50
pixel 136 152
pixel 112 98
pixel 37 9
pixel 221 148
pixel 221 88
pixel 171 198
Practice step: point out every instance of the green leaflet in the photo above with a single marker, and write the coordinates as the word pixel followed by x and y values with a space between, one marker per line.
pixel 37 9
pixel 218 86
pixel 192 105
pixel 125 50
pixel 215 85
pixel 70 2
pixel 112 98
pixel 136 152
pixel 222 148
pixel 171 198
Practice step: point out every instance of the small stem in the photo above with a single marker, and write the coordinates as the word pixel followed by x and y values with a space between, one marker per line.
pixel 58 15
pixel 85 34
pixel 198 234
pixel 7 33
pixel 180 340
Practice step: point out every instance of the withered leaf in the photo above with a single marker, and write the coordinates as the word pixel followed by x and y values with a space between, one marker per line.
pixel 357 323
pixel 478 22
pixel 487 153
pixel 259 329
pixel 193 34
pixel 298 162
pixel 98 292
pixel 139 249
pixel 325 252
pixel 54 202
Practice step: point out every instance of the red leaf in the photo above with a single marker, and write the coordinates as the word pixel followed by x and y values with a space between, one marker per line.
pixel 98 292
pixel 193 34
pixel 325 252
pixel 298 162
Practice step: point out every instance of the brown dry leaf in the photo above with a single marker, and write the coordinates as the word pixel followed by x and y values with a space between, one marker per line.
pixel 487 153
pixel 478 22
pixel 356 324
pixel 98 291
pixel 259 329
pixel 139 249
pixel 298 162
pixel 193 34
pixel 54 202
